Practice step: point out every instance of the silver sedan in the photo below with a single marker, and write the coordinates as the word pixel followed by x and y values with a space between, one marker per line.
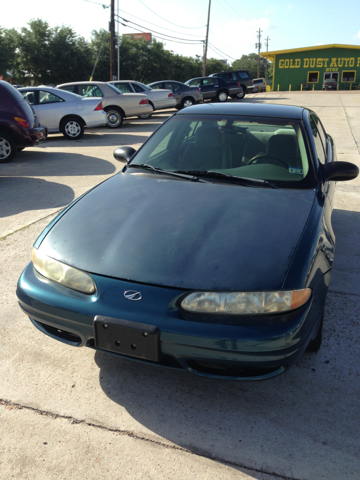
pixel 158 98
pixel 116 105
pixel 64 112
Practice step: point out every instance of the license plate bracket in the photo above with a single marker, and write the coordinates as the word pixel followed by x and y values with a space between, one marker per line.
pixel 125 337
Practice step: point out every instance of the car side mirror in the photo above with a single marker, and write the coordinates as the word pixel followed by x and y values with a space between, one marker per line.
pixel 339 171
pixel 124 154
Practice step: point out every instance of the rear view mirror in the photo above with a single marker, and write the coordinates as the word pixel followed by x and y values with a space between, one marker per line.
pixel 339 171
pixel 124 154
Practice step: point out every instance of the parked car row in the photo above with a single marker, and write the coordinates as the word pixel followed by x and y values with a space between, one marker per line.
pixel 71 107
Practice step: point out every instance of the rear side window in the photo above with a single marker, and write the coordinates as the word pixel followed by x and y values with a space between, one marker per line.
pixel 172 86
pixel 90 91
pixel 243 75
pixel 210 81
pixel 123 87
pixel 137 88
pixel 69 88
pixel 48 97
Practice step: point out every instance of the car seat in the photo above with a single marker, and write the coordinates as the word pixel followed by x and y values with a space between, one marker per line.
pixel 207 152
pixel 286 148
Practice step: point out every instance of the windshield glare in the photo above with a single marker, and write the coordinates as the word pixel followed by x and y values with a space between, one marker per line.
pixel 252 147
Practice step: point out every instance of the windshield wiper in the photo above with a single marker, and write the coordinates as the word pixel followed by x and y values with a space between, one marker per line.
pixel 184 175
pixel 239 180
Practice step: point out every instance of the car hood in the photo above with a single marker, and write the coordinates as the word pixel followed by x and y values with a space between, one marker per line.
pixel 160 230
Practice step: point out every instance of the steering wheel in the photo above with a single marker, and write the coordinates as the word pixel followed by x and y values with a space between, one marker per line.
pixel 264 156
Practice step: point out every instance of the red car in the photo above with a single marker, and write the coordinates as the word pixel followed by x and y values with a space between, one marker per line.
pixel 19 127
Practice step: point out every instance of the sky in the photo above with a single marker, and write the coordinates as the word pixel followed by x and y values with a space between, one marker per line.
pixel 234 24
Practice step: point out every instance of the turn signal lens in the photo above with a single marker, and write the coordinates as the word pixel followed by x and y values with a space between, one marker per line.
pixel 22 122
pixel 245 303
pixel 59 272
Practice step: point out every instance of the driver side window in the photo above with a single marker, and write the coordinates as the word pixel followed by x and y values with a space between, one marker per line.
pixel 314 121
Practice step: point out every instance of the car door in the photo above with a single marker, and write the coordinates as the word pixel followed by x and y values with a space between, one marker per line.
pixel 209 87
pixel 49 108
pixel 324 154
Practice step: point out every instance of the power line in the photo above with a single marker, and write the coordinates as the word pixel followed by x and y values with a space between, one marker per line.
pixel 97 3
pixel 162 38
pixel 238 14
pixel 169 29
pixel 219 52
pixel 218 43
pixel 162 18
pixel 160 33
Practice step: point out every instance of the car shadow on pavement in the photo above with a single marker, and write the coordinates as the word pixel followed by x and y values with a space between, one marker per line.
pixel 18 194
pixel 289 426
pixel 102 138
pixel 42 163
pixel 298 425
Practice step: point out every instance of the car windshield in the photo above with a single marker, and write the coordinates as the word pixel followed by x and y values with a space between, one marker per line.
pixel 270 149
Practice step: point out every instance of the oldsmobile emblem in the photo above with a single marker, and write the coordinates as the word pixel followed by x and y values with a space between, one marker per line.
pixel 132 295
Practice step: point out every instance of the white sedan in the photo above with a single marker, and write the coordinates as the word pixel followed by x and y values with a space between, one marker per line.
pixel 158 98
pixel 65 112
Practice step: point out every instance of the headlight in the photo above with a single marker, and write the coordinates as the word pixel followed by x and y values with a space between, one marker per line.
pixel 245 303
pixel 67 276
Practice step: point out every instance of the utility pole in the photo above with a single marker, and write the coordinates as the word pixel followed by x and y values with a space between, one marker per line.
pixel 118 43
pixel 112 41
pixel 206 41
pixel 267 49
pixel 258 46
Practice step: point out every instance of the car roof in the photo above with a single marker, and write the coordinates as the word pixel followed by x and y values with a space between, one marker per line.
pixel 246 109
pixel 80 83
pixel 173 81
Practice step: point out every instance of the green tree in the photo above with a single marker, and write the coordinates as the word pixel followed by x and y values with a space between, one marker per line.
pixel 100 54
pixel 51 55
pixel 250 63
pixel 8 42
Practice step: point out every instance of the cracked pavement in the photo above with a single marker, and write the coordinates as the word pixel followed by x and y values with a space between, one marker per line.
pixel 69 413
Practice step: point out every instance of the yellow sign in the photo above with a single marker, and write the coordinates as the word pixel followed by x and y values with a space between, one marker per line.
pixel 331 64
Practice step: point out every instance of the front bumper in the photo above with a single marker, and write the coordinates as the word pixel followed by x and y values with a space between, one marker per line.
pixel 237 349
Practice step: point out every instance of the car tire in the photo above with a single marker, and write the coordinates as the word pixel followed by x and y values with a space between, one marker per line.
pixel 146 116
pixel 187 102
pixel 114 117
pixel 8 148
pixel 241 95
pixel 222 96
pixel 314 345
pixel 72 128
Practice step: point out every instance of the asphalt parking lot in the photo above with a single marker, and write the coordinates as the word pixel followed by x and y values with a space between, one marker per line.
pixel 68 413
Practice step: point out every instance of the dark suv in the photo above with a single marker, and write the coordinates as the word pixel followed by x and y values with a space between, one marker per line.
pixel 19 127
pixel 241 76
